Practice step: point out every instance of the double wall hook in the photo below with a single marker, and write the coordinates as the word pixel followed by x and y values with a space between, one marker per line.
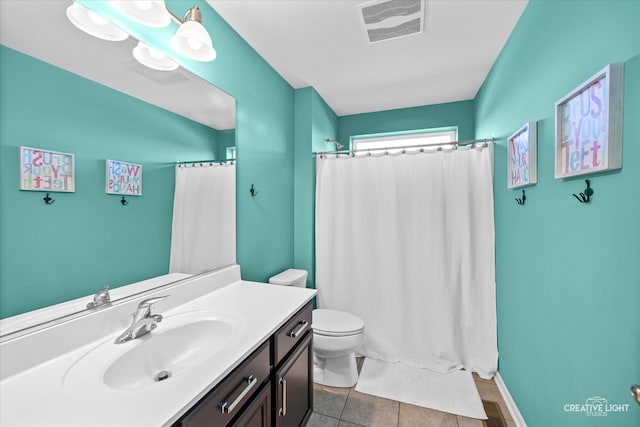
pixel 124 201
pixel 48 200
pixel 253 191
pixel 521 201
pixel 586 196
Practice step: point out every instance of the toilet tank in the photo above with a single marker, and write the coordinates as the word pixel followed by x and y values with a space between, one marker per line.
pixel 290 277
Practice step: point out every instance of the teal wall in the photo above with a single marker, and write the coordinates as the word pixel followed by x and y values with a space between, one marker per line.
pixel 314 123
pixel 568 276
pixel 453 114
pixel 264 141
pixel 85 239
pixel 264 135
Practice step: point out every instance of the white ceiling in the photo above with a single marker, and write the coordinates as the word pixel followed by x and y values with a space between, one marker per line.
pixel 51 38
pixel 321 43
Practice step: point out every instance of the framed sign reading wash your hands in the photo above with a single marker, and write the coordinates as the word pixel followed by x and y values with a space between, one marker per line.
pixel 123 178
pixel 522 164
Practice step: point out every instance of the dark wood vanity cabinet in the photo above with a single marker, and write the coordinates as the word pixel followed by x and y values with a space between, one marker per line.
pixel 292 379
pixel 271 387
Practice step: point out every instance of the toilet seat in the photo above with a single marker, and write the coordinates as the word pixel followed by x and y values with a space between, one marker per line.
pixel 334 323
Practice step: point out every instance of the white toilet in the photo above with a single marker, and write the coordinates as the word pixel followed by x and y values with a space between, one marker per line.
pixel 336 336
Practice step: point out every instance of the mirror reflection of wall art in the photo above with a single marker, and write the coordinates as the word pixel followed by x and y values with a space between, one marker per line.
pixel 123 178
pixel 45 170
pixel 522 163
pixel 589 125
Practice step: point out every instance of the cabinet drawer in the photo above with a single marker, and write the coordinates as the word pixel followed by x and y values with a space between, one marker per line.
pixel 291 333
pixel 227 399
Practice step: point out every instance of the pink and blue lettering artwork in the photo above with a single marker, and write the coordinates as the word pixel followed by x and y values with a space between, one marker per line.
pixel 584 120
pixel 45 170
pixel 123 178
pixel 522 160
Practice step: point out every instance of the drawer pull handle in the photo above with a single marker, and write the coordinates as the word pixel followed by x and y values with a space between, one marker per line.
pixel 283 410
pixel 227 407
pixel 303 326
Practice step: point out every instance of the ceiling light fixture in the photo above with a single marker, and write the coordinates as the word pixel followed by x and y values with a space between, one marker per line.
pixel 152 13
pixel 191 39
pixel 94 24
pixel 153 58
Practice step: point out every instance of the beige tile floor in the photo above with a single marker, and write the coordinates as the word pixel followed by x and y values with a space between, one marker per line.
pixel 345 407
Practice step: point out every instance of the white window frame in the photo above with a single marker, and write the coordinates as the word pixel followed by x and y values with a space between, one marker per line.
pixel 396 142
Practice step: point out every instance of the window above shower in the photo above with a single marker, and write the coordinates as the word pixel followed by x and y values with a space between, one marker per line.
pixel 395 142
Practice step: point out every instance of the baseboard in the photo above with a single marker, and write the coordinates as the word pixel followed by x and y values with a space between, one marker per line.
pixel 508 400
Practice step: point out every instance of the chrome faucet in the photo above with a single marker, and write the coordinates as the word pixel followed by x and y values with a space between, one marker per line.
pixel 143 321
pixel 101 298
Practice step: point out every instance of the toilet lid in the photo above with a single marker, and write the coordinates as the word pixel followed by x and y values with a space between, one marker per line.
pixel 336 323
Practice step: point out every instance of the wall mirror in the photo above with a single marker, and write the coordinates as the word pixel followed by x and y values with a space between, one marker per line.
pixel 84 229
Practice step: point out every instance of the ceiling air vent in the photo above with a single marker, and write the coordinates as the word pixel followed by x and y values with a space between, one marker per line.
pixel 392 19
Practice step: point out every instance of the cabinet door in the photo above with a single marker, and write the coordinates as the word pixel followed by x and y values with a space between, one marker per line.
pixel 294 387
pixel 258 413
pixel 220 406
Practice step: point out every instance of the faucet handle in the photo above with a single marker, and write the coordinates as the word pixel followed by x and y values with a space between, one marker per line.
pixel 104 292
pixel 102 297
pixel 149 302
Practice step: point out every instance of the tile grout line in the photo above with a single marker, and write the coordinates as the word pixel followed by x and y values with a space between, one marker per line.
pixel 344 405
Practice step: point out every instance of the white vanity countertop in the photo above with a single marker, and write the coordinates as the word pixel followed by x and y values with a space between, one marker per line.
pixel 15 323
pixel 39 397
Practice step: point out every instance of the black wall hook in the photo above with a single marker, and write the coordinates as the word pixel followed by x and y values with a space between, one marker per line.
pixel 124 201
pixel 253 191
pixel 48 200
pixel 586 196
pixel 521 201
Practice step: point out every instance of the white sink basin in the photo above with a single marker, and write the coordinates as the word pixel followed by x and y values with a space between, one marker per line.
pixel 180 343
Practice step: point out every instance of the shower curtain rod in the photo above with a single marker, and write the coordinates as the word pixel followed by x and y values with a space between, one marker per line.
pixel 456 143
pixel 194 162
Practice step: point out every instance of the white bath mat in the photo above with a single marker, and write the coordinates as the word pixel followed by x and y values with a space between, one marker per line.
pixel 455 393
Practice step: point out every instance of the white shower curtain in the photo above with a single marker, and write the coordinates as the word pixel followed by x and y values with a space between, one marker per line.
pixel 203 235
pixel 406 242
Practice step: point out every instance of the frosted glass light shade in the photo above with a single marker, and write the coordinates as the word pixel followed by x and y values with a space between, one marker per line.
pixel 94 24
pixel 152 13
pixel 153 58
pixel 193 41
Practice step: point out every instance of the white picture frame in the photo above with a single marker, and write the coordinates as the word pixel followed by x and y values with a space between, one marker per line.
pixel 123 178
pixel 522 161
pixel 46 170
pixel 588 125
